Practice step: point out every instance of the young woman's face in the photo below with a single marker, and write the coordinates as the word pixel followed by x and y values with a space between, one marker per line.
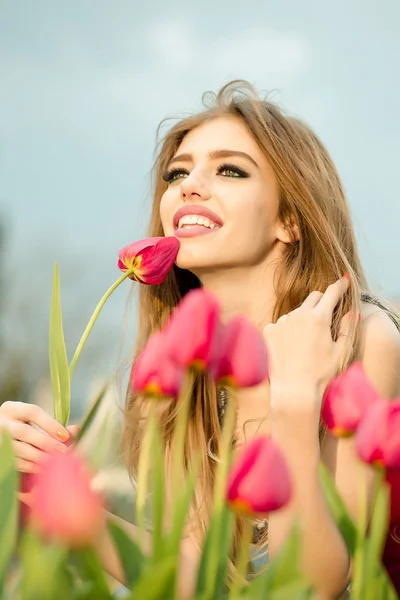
pixel 222 199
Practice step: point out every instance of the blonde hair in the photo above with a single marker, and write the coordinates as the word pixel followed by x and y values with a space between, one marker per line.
pixel 311 198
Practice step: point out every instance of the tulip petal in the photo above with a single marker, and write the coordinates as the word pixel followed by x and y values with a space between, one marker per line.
pixel 346 400
pixel 64 508
pixel 259 480
pixel 243 357
pixel 153 372
pixel 150 259
pixel 192 330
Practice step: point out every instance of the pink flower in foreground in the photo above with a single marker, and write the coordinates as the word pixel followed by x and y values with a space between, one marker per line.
pixel 64 509
pixel 378 435
pixel 153 372
pixel 192 330
pixel 347 399
pixel 242 355
pixel 150 259
pixel 259 480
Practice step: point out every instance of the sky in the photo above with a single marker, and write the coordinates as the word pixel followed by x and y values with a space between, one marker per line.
pixel 84 85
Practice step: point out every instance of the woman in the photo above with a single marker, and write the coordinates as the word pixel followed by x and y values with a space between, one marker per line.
pixel 259 209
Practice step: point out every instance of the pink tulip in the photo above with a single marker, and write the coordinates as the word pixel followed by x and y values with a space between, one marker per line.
pixel 347 398
pixel 150 259
pixel 378 435
pixel 193 329
pixel 153 372
pixel 259 480
pixel 64 509
pixel 242 355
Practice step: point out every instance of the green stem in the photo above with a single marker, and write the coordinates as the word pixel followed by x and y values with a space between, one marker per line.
pixel 226 450
pixel 243 561
pixel 144 467
pixel 178 452
pixel 358 578
pixel 92 321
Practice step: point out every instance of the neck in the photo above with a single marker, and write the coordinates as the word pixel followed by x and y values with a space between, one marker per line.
pixel 247 291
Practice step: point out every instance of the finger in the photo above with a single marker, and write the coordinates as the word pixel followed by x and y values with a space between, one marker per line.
pixel 26 466
pixel 74 430
pixel 23 432
pixel 31 413
pixel 311 301
pixel 28 452
pixel 332 295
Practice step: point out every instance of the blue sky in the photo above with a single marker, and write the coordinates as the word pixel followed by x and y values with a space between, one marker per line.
pixel 85 83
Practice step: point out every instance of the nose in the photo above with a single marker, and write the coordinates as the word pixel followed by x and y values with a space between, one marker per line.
pixel 193 187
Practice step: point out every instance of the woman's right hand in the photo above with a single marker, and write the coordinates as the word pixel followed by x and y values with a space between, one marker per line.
pixel 31 446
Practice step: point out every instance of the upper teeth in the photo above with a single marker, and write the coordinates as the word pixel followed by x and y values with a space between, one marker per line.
pixel 196 220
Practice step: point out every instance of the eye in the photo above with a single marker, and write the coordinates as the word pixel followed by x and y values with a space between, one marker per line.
pixel 174 174
pixel 232 171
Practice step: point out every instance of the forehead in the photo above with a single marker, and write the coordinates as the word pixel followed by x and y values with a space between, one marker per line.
pixel 220 132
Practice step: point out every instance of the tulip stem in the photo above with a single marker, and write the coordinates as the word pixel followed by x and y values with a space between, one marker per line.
pixel 357 587
pixel 178 451
pixel 92 321
pixel 243 560
pixel 143 470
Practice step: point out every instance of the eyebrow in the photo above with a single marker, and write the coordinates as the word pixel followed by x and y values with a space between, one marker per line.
pixel 214 155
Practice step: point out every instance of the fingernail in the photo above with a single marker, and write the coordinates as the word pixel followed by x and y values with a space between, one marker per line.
pixel 358 316
pixel 61 449
pixel 63 435
pixel 346 275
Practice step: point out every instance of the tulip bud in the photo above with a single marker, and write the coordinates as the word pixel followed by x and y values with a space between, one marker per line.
pixel 377 437
pixel 153 372
pixel 64 509
pixel 347 399
pixel 242 355
pixel 259 480
pixel 150 260
pixel 192 330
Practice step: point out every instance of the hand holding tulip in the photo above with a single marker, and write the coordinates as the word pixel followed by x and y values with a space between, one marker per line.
pixel 303 355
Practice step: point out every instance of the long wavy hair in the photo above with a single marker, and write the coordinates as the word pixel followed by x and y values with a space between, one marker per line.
pixel 313 199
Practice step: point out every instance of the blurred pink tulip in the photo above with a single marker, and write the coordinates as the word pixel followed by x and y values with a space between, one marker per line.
pixel 242 355
pixel 378 435
pixel 347 399
pixel 259 480
pixel 153 372
pixel 150 259
pixel 63 508
pixel 192 330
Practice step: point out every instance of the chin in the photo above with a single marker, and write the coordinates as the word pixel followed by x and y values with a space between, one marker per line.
pixel 194 261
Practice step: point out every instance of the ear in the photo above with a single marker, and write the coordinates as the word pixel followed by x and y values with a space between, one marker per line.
pixel 288 233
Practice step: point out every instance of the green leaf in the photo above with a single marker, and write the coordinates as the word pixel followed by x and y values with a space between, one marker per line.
pixel 8 505
pixel 88 563
pixel 338 509
pixel 129 552
pixel 157 582
pixel 88 420
pixel 212 569
pixel 43 570
pixel 59 369
pixel 181 507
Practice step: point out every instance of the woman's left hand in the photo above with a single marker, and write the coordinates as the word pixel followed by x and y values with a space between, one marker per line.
pixel 303 355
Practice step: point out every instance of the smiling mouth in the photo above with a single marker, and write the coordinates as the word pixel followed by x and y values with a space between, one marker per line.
pixel 196 221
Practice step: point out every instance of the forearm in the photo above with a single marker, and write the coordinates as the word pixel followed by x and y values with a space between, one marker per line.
pixel 325 560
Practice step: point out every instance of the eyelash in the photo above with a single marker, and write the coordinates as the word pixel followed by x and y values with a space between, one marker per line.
pixel 171 175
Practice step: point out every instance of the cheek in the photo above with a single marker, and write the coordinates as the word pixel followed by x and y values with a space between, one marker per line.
pixel 164 210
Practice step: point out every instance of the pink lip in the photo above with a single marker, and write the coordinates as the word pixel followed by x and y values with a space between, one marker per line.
pixel 197 209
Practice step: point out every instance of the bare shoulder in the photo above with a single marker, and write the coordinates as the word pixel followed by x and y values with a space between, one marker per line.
pixel 380 349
